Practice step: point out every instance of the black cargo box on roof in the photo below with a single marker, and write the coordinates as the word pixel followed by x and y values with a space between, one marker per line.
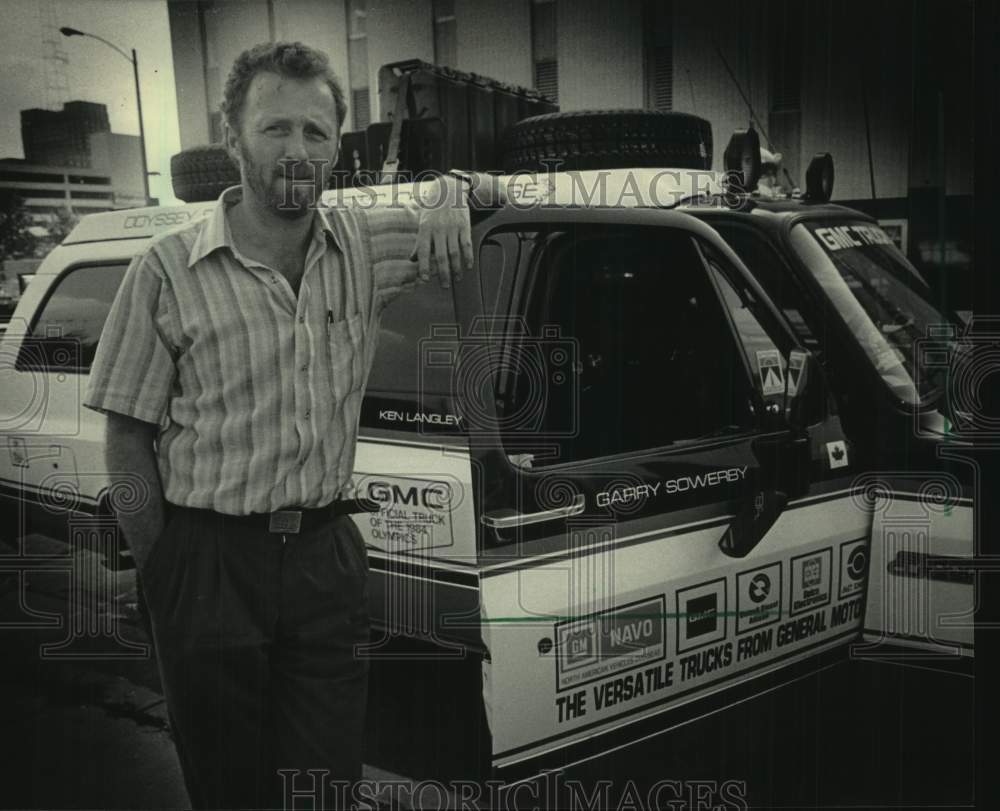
pixel 475 111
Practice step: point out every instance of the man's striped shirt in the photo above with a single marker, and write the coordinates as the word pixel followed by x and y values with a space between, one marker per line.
pixel 257 392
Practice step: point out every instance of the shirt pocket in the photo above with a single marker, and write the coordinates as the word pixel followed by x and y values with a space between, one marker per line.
pixel 346 339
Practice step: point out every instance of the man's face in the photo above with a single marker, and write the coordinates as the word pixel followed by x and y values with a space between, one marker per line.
pixel 286 120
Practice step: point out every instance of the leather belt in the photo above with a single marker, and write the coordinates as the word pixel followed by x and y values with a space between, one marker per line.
pixel 295 520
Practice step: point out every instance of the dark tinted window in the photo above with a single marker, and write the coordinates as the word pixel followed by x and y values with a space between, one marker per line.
pixel 415 323
pixel 65 334
pixel 758 343
pixel 768 360
pixel 651 358
pixel 774 276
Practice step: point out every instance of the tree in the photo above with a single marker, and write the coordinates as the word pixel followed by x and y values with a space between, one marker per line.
pixel 15 238
pixel 59 227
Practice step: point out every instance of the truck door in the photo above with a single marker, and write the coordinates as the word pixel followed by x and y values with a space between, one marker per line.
pixel 652 531
pixel 920 595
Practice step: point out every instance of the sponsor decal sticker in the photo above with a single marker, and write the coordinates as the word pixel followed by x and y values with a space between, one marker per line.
pixel 772 379
pixel 758 597
pixel 414 514
pixel 622 638
pixel 796 365
pixel 578 645
pixel 811 578
pixel 836 454
pixel 853 567
pixel 701 615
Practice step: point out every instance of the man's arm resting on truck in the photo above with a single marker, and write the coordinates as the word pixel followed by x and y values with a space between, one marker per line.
pixel 444 231
pixel 130 454
pixel 428 234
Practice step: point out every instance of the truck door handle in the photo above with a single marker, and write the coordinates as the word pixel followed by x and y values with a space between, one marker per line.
pixel 509 519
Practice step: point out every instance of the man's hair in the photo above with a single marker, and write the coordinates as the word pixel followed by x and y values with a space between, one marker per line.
pixel 290 59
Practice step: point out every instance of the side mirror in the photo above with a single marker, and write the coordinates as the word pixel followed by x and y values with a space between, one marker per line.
pixel 753 519
pixel 782 461
pixel 781 473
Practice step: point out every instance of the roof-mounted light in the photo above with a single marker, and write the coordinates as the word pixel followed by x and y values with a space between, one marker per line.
pixel 819 178
pixel 741 160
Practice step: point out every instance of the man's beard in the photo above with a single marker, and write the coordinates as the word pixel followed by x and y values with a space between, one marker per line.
pixel 290 199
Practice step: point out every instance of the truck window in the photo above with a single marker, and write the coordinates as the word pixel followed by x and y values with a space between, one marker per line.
pixel 881 300
pixel 651 358
pixel 65 333
pixel 408 322
pixel 758 343
pixel 773 275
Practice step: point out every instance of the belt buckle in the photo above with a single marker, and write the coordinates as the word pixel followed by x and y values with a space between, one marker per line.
pixel 285 522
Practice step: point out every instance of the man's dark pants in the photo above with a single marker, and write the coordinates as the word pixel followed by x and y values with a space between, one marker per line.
pixel 255 634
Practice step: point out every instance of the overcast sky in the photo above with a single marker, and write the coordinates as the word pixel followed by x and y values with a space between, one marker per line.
pixel 94 71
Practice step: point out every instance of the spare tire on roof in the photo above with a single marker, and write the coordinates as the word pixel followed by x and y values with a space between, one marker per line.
pixel 608 139
pixel 203 173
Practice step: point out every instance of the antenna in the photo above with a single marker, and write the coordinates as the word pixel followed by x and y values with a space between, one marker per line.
pixel 868 137
pixel 694 104
pixel 753 115
pixel 54 58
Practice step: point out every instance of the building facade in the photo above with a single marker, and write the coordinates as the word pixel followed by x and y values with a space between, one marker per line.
pixel 48 190
pixel 60 137
pixel 120 158
pixel 74 163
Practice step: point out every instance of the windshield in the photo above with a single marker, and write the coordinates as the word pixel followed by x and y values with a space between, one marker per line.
pixel 881 298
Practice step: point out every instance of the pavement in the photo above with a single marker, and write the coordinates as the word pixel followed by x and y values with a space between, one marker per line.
pixel 79 732
pixel 108 748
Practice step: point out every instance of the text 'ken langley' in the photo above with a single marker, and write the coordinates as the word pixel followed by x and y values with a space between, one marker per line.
pixel 630 495
pixel 388 415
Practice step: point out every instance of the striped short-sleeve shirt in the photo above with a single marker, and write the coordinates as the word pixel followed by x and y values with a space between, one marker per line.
pixel 257 391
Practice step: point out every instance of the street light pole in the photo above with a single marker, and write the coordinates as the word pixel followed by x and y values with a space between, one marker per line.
pixel 134 59
pixel 142 129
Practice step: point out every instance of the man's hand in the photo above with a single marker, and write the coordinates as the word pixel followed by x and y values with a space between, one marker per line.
pixel 129 456
pixel 444 236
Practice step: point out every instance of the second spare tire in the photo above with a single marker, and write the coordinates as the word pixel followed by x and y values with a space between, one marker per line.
pixel 203 173
pixel 608 139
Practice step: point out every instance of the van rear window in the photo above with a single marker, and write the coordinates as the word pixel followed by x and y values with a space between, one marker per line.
pixel 64 336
